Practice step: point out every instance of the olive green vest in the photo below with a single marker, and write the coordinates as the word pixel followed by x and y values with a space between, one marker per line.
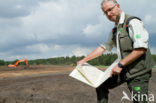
pixel 140 66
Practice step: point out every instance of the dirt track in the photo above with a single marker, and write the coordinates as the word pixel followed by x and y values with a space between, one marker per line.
pixel 51 84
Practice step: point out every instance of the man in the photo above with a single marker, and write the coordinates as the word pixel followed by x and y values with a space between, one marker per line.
pixel 131 39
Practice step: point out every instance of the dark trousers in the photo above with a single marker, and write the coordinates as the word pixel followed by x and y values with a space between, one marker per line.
pixel 139 83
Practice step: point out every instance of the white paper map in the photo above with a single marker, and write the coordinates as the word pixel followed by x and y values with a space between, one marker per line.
pixel 91 75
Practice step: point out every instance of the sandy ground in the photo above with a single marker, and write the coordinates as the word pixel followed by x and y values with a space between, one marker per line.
pixel 51 84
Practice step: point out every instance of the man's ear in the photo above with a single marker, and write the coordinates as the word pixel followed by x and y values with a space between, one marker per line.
pixel 118 5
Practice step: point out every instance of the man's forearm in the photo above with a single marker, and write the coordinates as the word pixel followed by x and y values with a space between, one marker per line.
pixel 135 54
pixel 97 52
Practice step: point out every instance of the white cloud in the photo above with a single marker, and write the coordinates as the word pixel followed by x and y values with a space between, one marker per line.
pixel 54 19
pixel 81 51
pixel 18 6
pixel 148 19
pixel 91 30
pixel 43 48
pixel 153 50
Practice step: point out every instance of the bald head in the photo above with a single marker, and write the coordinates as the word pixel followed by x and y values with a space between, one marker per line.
pixel 111 1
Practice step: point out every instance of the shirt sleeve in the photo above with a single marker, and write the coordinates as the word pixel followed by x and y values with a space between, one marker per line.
pixel 138 34
pixel 109 44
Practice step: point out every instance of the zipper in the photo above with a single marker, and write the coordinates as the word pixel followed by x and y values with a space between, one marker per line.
pixel 120 46
pixel 120 49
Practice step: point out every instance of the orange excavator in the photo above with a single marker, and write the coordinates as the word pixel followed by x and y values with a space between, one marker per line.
pixel 16 64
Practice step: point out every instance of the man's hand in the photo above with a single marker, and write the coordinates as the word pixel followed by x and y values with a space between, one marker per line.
pixel 116 70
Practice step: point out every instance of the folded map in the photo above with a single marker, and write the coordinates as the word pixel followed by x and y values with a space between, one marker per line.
pixel 91 75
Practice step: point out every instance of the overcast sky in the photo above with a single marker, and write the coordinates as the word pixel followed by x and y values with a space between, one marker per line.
pixel 35 29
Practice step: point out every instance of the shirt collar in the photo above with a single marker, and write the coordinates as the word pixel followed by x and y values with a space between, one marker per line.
pixel 122 18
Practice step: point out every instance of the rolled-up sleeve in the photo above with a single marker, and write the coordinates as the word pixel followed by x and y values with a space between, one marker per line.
pixel 138 34
pixel 109 44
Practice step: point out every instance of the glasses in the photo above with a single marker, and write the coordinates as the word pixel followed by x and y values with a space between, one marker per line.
pixel 109 10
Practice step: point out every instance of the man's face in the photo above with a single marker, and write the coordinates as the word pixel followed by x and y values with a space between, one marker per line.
pixel 111 10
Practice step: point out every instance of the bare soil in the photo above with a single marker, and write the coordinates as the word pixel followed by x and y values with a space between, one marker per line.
pixel 51 84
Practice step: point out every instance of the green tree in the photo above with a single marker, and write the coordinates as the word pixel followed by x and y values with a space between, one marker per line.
pixel 2 62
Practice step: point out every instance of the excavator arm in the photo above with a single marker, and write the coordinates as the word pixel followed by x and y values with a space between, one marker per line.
pixel 16 64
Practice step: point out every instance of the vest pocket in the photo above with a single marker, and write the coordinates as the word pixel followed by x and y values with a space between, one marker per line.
pixel 125 43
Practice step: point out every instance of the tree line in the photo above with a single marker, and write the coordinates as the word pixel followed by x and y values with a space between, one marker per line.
pixel 105 60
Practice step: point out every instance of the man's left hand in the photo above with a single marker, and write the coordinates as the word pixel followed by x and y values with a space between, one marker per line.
pixel 116 70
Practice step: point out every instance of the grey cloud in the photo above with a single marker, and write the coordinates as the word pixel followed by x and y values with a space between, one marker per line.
pixel 17 8
pixel 26 23
pixel 152 41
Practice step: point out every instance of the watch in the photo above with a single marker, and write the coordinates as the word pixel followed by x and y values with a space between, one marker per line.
pixel 120 65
